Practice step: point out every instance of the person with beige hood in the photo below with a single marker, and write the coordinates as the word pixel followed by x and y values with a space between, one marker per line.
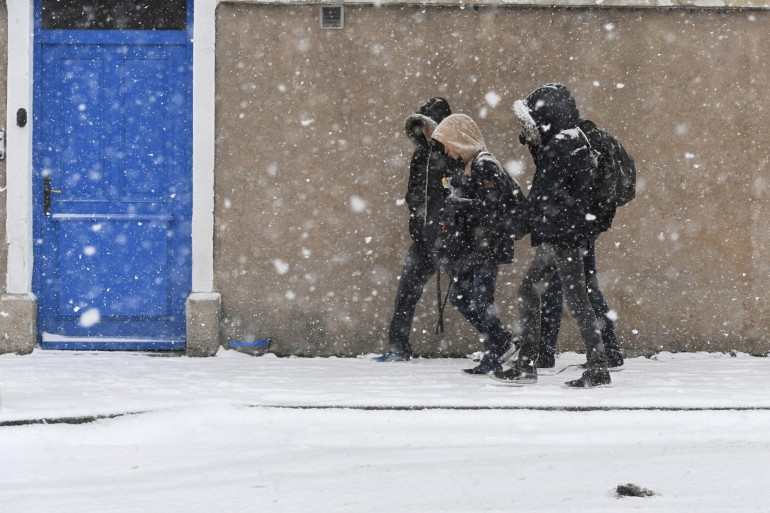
pixel 483 194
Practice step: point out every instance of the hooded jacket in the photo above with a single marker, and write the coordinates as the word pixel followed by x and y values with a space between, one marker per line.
pixel 481 194
pixel 557 208
pixel 425 193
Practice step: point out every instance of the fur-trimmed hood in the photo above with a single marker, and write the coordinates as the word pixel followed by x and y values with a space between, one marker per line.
pixel 545 112
pixel 433 112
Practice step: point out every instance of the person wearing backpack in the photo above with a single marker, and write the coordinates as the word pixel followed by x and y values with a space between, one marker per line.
pixel 604 203
pixel 557 214
pixel 479 199
pixel 425 197
pixel 551 302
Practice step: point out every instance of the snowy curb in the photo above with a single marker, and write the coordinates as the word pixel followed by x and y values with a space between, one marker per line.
pixel 66 420
pixel 87 419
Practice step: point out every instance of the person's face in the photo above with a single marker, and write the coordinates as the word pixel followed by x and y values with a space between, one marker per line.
pixel 452 153
pixel 427 132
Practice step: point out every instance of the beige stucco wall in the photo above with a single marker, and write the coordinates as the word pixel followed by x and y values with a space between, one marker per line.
pixel 311 164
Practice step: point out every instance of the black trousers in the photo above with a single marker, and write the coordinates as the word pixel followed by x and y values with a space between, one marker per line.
pixel 568 263
pixel 421 263
pixel 552 306
pixel 473 294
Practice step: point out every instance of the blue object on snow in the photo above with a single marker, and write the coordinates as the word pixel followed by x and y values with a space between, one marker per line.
pixel 254 343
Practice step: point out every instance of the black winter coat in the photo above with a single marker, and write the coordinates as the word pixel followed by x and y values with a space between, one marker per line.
pixel 425 193
pixel 556 208
pixel 482 199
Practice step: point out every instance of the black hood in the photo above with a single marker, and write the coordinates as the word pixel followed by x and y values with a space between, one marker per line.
pixel 436 109
pixel 431 114
pixel 552 109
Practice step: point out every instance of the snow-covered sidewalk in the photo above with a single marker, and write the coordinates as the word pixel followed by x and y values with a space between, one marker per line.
pixel 52 384
pixel 133 432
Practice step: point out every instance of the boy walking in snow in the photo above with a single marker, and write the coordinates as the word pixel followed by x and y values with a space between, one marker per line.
pixel 425 197
pixel 481 196
pixel 556 213
pixel 604 212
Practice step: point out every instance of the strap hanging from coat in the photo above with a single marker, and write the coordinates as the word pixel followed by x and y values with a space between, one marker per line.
pixel 441 304
pixel 427 178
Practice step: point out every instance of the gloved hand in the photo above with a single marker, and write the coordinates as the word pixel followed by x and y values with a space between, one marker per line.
pixel 447 183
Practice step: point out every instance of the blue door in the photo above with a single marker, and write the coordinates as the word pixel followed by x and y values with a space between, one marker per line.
pixel 112 184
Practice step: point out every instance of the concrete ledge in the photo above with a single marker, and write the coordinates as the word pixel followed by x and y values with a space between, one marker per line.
pixel 203 314
pixel 592 4
pixel 18 323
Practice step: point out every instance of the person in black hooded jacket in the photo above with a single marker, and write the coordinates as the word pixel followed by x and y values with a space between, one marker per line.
pixel 552 299
pixel 556 212
pixel 425 197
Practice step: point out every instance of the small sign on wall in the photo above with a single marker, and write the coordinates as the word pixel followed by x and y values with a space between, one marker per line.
pixel 332 16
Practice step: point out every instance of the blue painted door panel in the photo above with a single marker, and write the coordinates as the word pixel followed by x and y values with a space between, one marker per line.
pixel 113 137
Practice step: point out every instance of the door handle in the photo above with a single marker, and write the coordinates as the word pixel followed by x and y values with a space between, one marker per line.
pixel 47 190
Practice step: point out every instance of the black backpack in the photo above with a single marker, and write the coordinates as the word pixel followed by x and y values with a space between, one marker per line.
pixel 512 196
pixel 613 182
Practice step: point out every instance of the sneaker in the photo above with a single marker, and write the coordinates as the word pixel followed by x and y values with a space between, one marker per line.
pixel 392 356
pixel 512 353
pixel 592 378
pixel 488 364
pixel 546 361
pixel 516 376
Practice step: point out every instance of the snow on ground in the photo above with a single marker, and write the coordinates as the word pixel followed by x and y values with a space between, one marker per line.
pixel 264 434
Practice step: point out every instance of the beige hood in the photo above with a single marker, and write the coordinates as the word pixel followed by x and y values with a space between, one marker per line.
pixel 460 133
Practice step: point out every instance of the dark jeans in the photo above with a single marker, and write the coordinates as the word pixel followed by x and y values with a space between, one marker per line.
pixel 552 303
pixel 473 294
pixel 549 260
pixel 421 263
pixel 550 316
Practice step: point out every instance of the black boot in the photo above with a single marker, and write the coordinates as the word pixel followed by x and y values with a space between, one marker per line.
pixel 614 359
